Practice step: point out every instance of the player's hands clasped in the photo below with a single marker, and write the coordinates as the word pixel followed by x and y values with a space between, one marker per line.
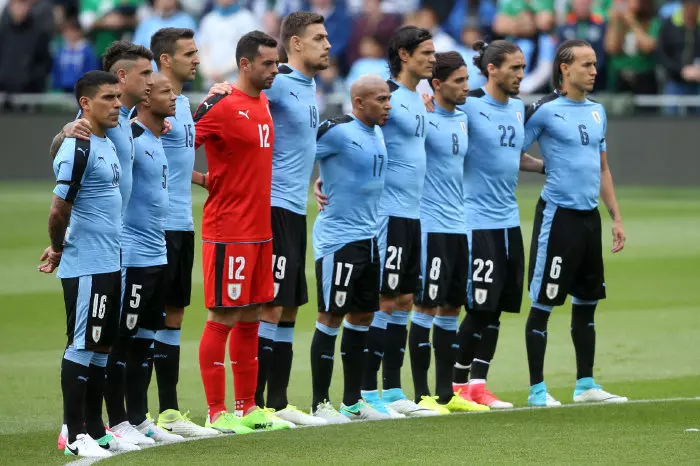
pixel 321 199
pixel 52 259
pixel 619 237
pixel 80 129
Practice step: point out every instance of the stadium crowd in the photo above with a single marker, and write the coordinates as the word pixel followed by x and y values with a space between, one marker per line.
pixel 644 46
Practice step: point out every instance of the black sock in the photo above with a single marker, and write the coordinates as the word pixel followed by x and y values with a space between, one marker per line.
pixel 419 349
pixel 536 343
pixel 445 344
pixel 115 387
pixel 394 350
pixel 137 373
pixel 373 357
pixel 352 349
pixel 94 425
pixel 281 366
pixel 583 336
pixel 490 328
pixel 468 338
pixel 74 380
pixel 266 344
pixel 322 353
pixel 166 360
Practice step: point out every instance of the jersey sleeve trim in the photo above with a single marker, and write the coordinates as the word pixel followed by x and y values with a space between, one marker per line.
pixel 284 69
pixel 531 109
pixel 392 85
pixel 205 106
pixel 80 160
pixel 478 93
pixel 137 130
pixel 328 124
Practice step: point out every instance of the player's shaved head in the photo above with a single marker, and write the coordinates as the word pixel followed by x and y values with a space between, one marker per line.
pixel 370 96
pixel 367 85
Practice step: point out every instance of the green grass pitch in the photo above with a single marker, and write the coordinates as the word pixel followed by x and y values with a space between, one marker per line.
pixel 648 333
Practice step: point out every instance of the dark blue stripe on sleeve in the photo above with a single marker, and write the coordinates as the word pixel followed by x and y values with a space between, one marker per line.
pixel 80 159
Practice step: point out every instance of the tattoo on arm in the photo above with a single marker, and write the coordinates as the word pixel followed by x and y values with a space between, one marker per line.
pixel 58 222
pixel 612 214
pixel 56 144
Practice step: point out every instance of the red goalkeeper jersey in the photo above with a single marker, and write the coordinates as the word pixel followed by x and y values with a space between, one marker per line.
pixel 237 133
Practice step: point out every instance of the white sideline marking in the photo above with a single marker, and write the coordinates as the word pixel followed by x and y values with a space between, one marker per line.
pixel 90 461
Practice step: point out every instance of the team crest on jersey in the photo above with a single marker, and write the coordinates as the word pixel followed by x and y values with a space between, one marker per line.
pixel 432 291
pixel 463 125
pixel 596 116
pixel 552 290
pixel 393 280
pixel 519 116
pixel 96 333
pixel 340 298
pixel 480 295
pixel 131 320
pixel 277 289
pixel 234 291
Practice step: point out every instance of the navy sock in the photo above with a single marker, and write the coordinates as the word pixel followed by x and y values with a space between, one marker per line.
pixel 536 343
pixel 468 338
pixel 322 354
pixel 375 350
pixel 266 339
pixel 419 348
pixel 74 379
pixel 490 327
pixel 281 366
pixel 394 349
pixel 583 336
pixel 115 388
pixel 445 344
pixel 166 361
pixel 94 425
pixel 137 374
pixel 352 348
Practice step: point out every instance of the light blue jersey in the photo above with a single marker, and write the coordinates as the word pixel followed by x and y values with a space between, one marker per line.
pixel 143 241
pixel 442 205
pixel 88 175
pixel 492 163
pixel 404 133
pixel 178 145
pixel 571 136
pixel 124 142
pixel 295 113
pixel 352 162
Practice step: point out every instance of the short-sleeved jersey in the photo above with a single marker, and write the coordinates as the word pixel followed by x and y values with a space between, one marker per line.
pixel 295 113
pixel 237 133
pixel 123 140
pixel 442 204
pixel 492 164
pixel 143 239
pixel 404 133
pixel 571 136
pixel 178 144
pixel 352 163
pixel 88 175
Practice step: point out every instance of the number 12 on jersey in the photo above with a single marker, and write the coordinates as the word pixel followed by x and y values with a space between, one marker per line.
pixel 264 133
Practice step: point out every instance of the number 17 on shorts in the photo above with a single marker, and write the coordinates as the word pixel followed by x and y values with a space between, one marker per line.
pixel 237 274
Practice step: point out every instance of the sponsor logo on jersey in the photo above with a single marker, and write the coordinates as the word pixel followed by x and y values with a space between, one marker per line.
pixel 96 333
pixel 480 295
pixel 552 290
pixel 340 298
pixel 432 291
pixel 131 320
pixel 393 280
pixel 234 291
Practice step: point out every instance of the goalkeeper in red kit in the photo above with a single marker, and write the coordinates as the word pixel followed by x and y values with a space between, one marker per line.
pixel 237 133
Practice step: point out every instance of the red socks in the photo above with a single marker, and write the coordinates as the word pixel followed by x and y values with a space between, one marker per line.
pixel 212 352
pixel 243 351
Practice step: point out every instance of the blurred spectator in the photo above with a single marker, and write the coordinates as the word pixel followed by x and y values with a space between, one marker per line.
pixel 667 9
pixel 165 13
pixel 219 32
pixel 544 11
pixel 25 60
pixel 371 61
pixel 630 42
pixel 538 63
pixel 679 51
pixel 470 34
pixel 483 10
pixel 427 18
pixel 330 92
pixel 514 18
pixel 338 25
pixel 583 23
pixel 73 59
pixel 108 20
pixel 372 22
